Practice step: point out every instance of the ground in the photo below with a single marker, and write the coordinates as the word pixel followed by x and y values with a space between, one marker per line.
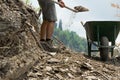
pixel 21 58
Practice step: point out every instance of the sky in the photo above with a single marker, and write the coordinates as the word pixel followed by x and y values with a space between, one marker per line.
pixel 99 10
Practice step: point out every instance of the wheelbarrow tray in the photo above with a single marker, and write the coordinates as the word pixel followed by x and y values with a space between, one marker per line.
pixel 96 29
pixel 100 33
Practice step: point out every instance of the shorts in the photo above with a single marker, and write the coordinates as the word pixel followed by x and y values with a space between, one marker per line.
pixel 48 10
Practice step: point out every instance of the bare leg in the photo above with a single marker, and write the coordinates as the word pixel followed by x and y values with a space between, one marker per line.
pixel 43 30
pixel 47 45
pixel 50 30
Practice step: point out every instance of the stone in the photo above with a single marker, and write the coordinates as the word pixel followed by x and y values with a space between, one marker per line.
pixel 92 78
pixel 70 75
pixel 48 68
pixel 47 78
pixel 31 74
pixel 38 74
pixel 87 66
pixel 53 60
pixel 32 79
pixel 73 69
pixel 63 70
pixel 52 53
pixel 59 76
pixel 66 59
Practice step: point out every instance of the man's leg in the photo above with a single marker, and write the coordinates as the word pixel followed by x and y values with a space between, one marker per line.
pixel 50 30
pixel 46 41
pixel 43 36
pixel 43 30
pixel 47 28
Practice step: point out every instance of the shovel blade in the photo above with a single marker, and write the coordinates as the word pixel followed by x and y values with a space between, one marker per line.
pixel 81 9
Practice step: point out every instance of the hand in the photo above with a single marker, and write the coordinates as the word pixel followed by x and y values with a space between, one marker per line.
pixel 61 4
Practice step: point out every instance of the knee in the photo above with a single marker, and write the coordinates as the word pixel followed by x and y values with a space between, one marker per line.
pixel 51 22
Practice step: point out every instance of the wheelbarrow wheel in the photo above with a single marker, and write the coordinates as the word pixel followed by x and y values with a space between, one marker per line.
pixel 104 51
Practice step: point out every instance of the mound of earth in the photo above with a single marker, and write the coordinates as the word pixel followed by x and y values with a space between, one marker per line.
pixel 21 58
pixel 18 48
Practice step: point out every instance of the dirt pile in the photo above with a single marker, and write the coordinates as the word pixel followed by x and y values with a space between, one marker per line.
pixel 17 45
pixel 22 59
pixel 13 15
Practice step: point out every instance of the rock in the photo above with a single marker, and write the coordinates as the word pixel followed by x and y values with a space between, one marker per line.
pixel 22 65
pixel 38 74
pixel 53 60
pixel 87 66
pixel 52 53
pixel 47 78
pixel 70 75
pixel 91 78
pixel 59 76
pixel 78 62
pixel 32 79
pixel 48 68
pixel 114 78
pixel 31 74
pixel 3 63
pixel 66 59
pixel 49 74
pixel 73 69
pixel 105 70
pixel 63 70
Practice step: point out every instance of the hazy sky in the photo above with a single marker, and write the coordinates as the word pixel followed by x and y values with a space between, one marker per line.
pixel 99 10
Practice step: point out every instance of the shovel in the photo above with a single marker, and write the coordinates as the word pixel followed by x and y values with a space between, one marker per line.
pixel 76 8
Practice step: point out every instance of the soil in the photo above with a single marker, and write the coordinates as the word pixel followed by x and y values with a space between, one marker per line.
pixel 21 58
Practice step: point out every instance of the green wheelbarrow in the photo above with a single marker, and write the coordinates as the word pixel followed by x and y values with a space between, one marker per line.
pixel 102 34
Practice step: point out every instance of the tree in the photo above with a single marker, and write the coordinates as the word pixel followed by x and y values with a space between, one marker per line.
pixel 60 24
pixel 27 1
pixel 71 40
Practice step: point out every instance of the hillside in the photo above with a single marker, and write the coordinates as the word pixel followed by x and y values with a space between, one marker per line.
pixel 22 58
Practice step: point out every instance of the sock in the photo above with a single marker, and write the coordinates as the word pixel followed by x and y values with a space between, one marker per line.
pixel 48 39
pixel 42 40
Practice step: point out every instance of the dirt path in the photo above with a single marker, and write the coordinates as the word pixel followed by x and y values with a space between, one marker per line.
pixel 73 66
pixel 22 59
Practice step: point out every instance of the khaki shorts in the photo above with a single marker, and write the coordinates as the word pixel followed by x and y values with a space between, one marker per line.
pixel 48 10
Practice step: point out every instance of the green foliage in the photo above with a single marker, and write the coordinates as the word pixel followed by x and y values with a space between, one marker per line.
pixel 60 24
pixel 71 39
pixel 27 1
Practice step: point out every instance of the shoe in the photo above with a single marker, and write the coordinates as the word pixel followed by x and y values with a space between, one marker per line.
pixel 50 43
pixel 61 47
pixel 43 44
pixel 48 47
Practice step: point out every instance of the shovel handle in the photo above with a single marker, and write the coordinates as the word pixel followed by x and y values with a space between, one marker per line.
pixel 65 6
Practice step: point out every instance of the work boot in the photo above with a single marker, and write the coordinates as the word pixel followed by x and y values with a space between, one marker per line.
pixel 50 43
pixel 43 44
pixel 48 47
pixel 52 48
pixel 61 47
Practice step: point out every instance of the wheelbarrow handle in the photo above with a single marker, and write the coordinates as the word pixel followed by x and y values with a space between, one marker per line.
pixel 65 6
